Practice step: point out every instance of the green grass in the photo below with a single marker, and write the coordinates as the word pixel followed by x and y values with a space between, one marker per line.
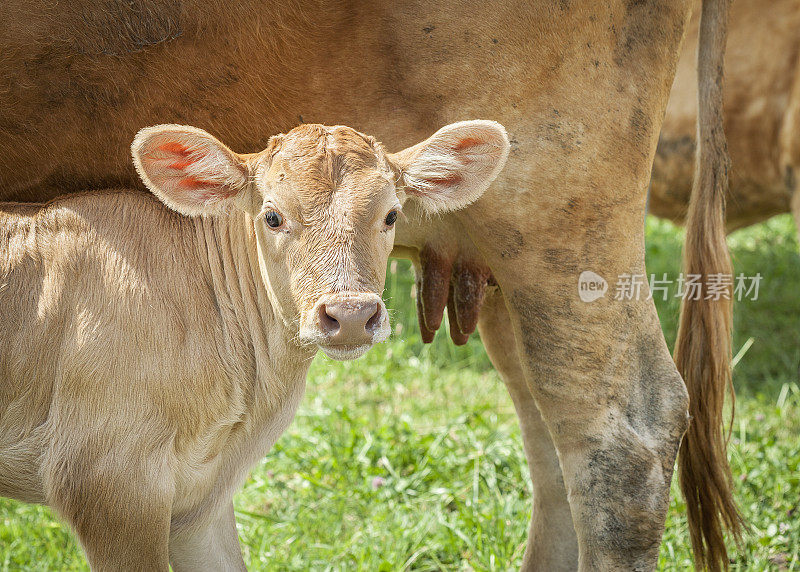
pixel 772 321
pixel 410 458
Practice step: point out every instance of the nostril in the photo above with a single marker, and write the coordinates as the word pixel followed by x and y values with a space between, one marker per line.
pixel 375 321
pixel 327 323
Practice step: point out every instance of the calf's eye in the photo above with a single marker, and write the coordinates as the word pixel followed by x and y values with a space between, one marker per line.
pixel 274 219
pixel 391 218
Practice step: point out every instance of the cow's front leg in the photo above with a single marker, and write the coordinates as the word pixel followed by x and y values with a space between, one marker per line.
pixel 212 545
pixel 552 544
pixel 598 370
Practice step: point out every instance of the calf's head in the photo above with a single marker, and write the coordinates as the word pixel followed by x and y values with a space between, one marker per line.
pixel 322 202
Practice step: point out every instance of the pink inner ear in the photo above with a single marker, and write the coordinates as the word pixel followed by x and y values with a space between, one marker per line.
pixel 181 165
pixel 466 143
pixel 445 181
pixel 202 190
pixel 174 147
pixel 191 183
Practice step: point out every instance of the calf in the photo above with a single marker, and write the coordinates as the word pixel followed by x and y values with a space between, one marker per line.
pixel 148 359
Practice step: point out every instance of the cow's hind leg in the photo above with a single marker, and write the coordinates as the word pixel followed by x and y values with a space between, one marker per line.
pixel 552 544
pixel 212 546
pixel 601 375
pixel 616 409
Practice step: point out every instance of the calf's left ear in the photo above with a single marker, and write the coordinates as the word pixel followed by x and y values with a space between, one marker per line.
pixel 454 166
pixel 189 170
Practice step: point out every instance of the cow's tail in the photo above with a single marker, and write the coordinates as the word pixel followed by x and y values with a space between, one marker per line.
pixel 703 346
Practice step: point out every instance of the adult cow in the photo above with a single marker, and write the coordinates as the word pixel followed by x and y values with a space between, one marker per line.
pixel 581 87
pixel 762 118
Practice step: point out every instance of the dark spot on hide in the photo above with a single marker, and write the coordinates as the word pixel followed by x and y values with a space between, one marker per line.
pixel 560 133
pixel 627 506
pixel 510 240
pixel 561 260
pixel 650 30
pixel 119 27
pixel 640 126
pixel 572 205
pixel 657 406
pixel 539 337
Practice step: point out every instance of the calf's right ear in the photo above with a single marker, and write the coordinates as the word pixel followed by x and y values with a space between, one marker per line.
pixel 188 169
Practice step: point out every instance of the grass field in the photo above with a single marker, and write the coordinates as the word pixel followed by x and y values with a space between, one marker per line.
pixel 410 458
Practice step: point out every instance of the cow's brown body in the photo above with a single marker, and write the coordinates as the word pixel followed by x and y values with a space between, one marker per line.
pixel 762 118
pixel 580 85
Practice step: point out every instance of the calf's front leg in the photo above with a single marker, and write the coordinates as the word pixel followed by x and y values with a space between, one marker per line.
pixel 211 546
pixel 117 502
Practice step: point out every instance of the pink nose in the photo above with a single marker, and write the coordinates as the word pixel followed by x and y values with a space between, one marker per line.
pixel 350 320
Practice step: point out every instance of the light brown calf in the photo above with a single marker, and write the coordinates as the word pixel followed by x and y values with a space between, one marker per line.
pixel 148 359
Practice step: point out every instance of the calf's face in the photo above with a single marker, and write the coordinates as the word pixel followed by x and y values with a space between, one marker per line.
pixel 323 202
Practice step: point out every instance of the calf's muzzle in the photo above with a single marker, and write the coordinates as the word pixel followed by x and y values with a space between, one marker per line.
pixel 349 323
